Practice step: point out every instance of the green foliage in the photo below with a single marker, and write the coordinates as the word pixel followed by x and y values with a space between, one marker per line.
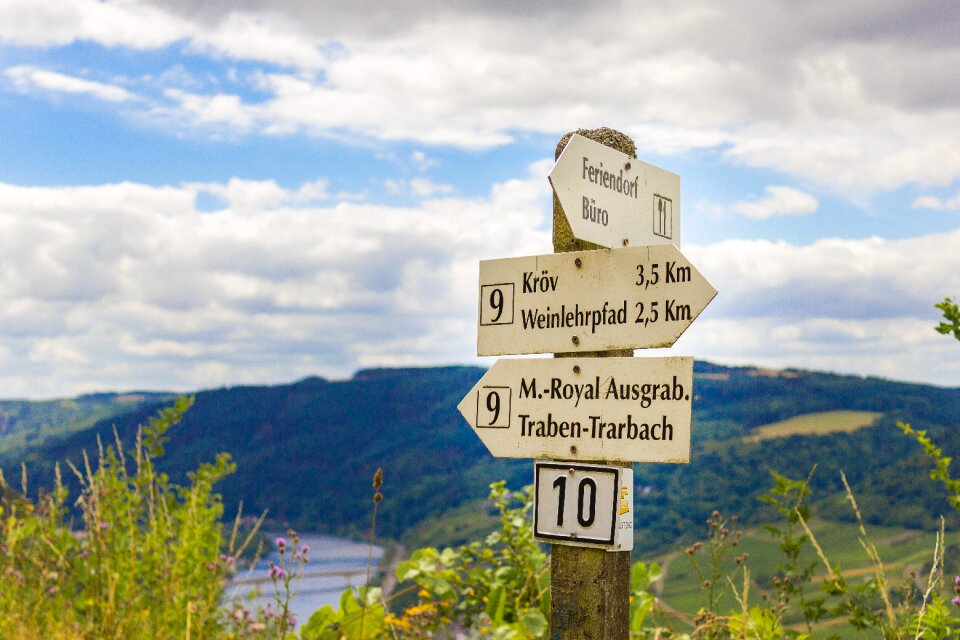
pixel 642 600
pixel 760 623
pixel 361 616
pixel 951 314
pixel 719 543
pixel 498 587
pixel 788 497
pixel 149 559
pixel 941 463
pixel 500 584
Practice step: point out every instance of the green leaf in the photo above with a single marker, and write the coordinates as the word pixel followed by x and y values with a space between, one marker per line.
pixel 318 623
pixel 438 586
pixel 534 623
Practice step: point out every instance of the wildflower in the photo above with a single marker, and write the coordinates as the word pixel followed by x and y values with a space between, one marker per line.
pixel 305 549
pixel 269 612
pixel 281 544
pixel 292 621
pixel 956 581
pixel 104 526
pixel 956 601
pixel 276 572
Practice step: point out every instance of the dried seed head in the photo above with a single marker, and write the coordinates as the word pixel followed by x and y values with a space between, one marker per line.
pixel 378 478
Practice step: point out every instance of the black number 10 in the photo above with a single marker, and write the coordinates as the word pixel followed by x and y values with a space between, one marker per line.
pixel 584 520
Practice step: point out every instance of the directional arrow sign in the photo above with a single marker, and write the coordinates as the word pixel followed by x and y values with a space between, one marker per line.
pixel 600 409
pixel 613 200
pixel 588 301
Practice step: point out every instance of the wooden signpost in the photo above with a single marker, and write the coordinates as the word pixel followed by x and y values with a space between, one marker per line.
pixel 594 403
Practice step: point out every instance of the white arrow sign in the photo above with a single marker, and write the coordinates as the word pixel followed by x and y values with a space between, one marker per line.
pixel 613 200
pixel 588 301
pixel 599 409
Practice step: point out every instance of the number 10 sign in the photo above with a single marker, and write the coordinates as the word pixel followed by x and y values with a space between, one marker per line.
pixel 583 505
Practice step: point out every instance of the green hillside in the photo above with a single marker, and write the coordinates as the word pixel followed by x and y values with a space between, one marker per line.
pixel 28 424
pixel 307 451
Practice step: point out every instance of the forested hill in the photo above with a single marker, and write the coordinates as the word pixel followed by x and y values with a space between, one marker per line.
pixel 308 451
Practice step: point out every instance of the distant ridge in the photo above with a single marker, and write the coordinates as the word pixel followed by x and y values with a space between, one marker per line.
pixel 307 450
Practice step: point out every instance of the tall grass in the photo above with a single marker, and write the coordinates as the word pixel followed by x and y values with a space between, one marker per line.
pixel 139 557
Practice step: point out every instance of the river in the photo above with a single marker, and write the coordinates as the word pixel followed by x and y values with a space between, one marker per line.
pixel 335 564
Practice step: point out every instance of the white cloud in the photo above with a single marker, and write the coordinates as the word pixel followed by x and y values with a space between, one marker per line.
pixel 127 285
pixel 832 278
pixel 419 187
pixel 777 201
pixel 32 77
pixel 851 97
pixel 266 36
pixel 195 110
pixel 939 204
pixel 131 23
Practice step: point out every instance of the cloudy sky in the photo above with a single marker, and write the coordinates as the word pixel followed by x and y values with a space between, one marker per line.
pixel 203 194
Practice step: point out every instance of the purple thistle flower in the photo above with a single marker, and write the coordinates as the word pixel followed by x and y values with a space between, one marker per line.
pixel 292 620
pixel 281 543
pixel 956 601
pixel 306 549
pixel 956 581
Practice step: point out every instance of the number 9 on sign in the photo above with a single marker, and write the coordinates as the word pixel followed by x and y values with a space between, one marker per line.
pixel 496 304
pixel 493 407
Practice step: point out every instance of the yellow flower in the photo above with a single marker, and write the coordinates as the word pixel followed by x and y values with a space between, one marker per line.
pixel 394 621
pixel 419 609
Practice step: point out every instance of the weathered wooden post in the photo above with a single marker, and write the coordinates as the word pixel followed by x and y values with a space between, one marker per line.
pixel 589 588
